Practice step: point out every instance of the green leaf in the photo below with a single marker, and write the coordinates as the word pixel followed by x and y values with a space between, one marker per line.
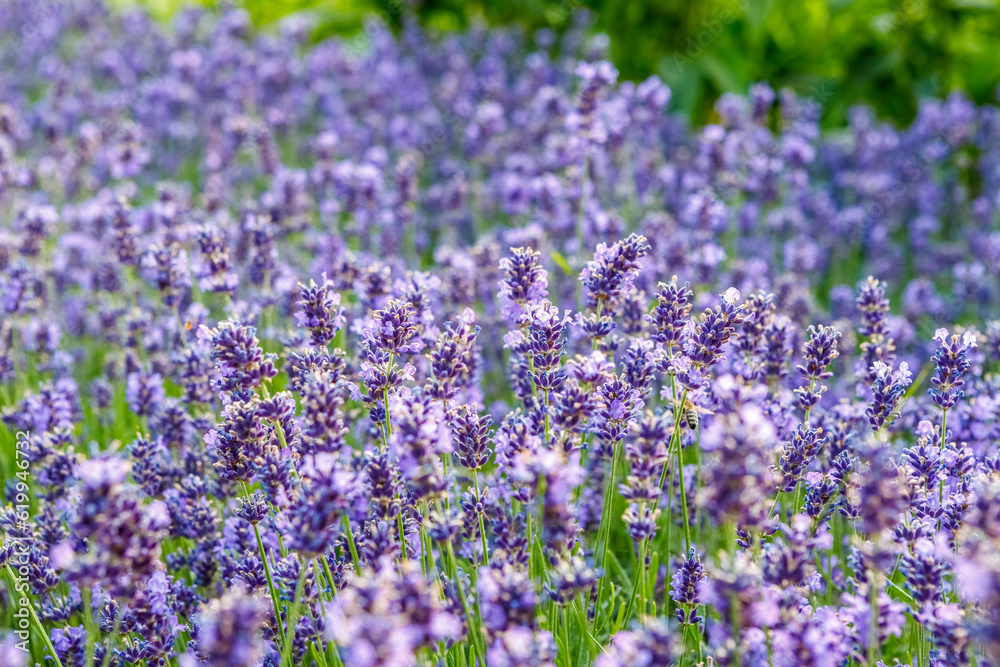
pixel 561 262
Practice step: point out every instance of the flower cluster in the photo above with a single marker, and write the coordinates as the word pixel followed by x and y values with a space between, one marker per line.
pixel 459 351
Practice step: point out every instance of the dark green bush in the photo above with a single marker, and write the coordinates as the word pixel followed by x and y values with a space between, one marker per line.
pixel 884 53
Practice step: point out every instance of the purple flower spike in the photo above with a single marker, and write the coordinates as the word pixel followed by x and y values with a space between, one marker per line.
pixel 951 363
pixel 330 489
pixel 393 329
pixel 817 353
pixel 229 631
pixel 524 281
pixel 887 390
pixel 684 588
pixel 238 356
pixel 669 315
pixel 319 312
pixel 612 271
pixel 705 346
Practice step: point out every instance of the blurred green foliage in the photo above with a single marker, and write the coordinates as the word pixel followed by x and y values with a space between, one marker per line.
pixel 885 53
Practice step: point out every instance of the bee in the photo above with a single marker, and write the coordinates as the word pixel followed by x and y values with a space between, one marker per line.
pixel 691 412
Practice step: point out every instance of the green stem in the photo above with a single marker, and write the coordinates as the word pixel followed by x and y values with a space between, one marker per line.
pixel 474 635
pixel 531 373
pixel 329 575
pixel 280 430
pixel 812 386
pixel 529 522
pixel 385 397
pixel 684 503
pixel 111 640
pixel 41 628
pixel 697 487
pixel 540 492
pixel 181 333
pixel 321 580
pixel 588 639
pixel 736 623
pixel 482 526
pixel 872 628
pixel 346 521
pixel 425 545
pixel 604 530
pixel 640 567
pixel 564 627
pixel 318 656
pixel 88 623
pixel 402 534
pixel 600 307
pixel 267 570
pixel 678 412
pixel 293 614
pixel 546 406
pixel 944 438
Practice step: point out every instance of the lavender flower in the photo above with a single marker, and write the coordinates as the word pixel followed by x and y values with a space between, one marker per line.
pixel 521 647
pixel 951 363
pixel 238 356
pixel 420 436
pixel 125 534
pixel 228 631
pixel 685 588
pixel 524 281
pixel 874 308
pixel 544 345
pixel 320 312
pixel 387 616
pixel 124 242
pixel 652 644
pixel 329 490
pixel 704 348
pixel 613 270
pixel 797 454
pixel 238 441
pixel 144 392
pixel 455 358
pixel 887 391
pixel 166 269
pixel 214 273
pixel 858 612
pixel 738 474
pixel 507 598
pixel 470 435
pixel 619 404
pixel 323 422
pixel 253 510
pixel 393 329
pixel 669 315
pixel 817 354
pixel 12 651
pixel 646 453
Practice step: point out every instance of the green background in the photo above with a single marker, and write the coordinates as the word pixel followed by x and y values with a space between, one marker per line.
pixel 839 52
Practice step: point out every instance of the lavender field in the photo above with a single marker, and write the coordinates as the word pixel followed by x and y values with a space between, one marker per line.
pixel 448 349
